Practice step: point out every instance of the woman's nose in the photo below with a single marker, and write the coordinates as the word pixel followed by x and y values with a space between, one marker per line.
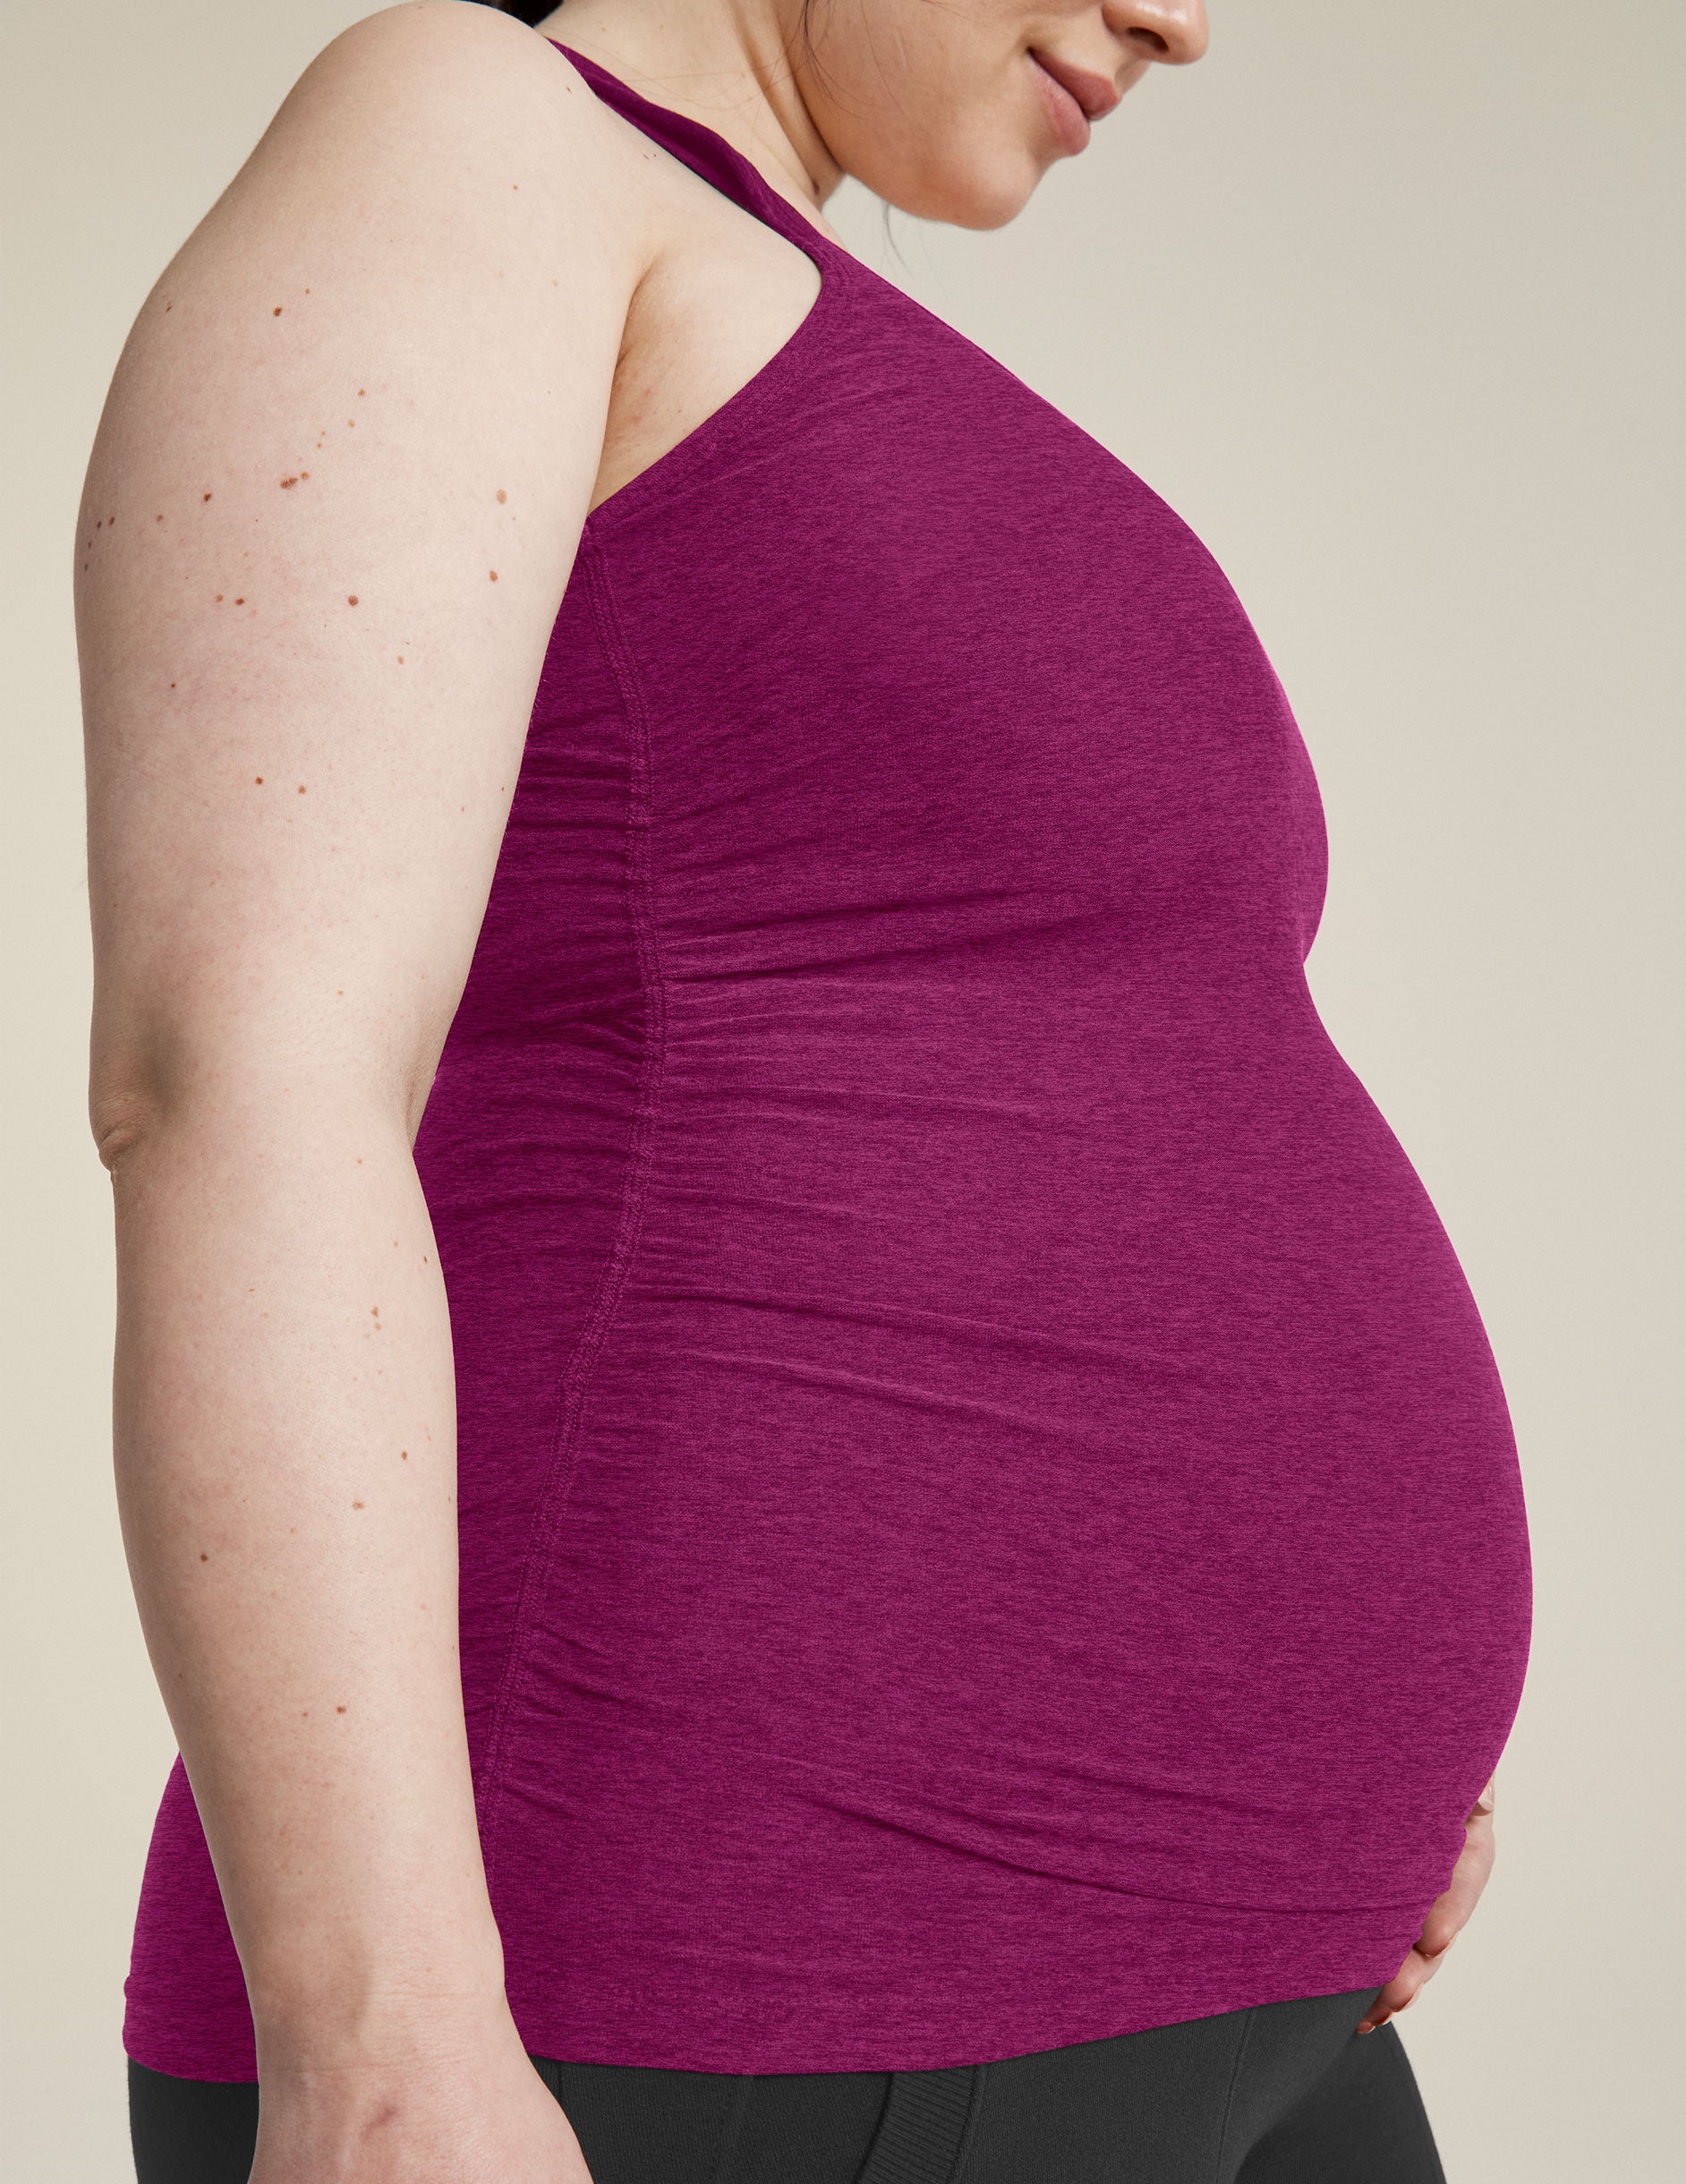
pixel 1172 31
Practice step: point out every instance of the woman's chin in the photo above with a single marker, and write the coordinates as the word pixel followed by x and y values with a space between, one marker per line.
pixel 985 192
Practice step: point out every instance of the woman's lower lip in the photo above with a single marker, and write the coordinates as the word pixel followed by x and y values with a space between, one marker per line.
pixel 1072 124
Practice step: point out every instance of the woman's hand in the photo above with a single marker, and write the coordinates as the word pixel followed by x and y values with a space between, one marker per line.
pixel 457 2108
pixel 1447 1916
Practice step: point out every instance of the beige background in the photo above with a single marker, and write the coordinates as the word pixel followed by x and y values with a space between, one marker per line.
pixel 1384 299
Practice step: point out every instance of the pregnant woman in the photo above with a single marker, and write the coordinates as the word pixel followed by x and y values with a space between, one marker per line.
pixel 815 1495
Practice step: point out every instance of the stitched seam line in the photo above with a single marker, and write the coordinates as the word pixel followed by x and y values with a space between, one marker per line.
pixel 922 2128
pixel 1228 2099
pixel 973 2123
pixel 732 2131
pixel 575 1378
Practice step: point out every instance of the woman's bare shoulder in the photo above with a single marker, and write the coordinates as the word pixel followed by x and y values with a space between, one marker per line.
pixel 438 204
pixel 433 90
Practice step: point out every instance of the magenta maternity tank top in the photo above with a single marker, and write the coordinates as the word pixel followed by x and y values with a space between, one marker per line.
pixel 988 1515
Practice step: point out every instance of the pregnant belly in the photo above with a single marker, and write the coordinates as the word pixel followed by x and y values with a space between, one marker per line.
pixel 1158 1575
pixel 1164 1536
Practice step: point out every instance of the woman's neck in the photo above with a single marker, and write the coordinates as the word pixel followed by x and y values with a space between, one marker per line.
pixel 731 64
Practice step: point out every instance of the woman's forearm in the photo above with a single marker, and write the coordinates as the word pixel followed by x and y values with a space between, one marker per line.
pixel 285 1471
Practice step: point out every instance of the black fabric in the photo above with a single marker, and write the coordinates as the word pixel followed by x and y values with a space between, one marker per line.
pixel 1288 2093
pixel 924 2129
pixel 187 2131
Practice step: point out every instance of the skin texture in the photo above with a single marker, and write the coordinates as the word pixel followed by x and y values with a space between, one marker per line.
pixel 937 109
pixel 305 705
pixel 316 569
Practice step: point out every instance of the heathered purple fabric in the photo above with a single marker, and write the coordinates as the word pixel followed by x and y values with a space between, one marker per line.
pixel 988 1515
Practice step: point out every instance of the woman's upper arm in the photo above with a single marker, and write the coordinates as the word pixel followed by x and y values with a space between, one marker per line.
pixel 330 511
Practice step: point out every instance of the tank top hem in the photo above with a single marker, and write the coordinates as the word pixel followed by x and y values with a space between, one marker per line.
pixel 1158 1971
